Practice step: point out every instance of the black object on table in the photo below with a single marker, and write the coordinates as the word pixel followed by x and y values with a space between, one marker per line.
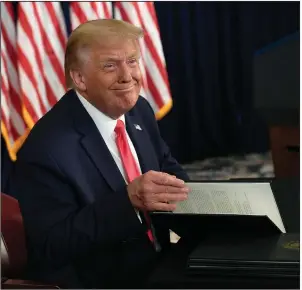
pixel 174 272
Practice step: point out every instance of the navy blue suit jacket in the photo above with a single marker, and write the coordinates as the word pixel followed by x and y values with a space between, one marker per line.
pixel 81 228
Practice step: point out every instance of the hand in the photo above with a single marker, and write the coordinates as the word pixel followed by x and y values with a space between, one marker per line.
pixel 155 190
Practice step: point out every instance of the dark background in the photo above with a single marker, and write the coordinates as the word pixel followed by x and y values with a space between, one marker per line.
pixel 209 49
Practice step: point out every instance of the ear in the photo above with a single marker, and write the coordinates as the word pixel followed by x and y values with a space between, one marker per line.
pixel 78 79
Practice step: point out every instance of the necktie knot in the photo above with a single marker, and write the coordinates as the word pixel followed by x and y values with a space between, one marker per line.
pixel 119 127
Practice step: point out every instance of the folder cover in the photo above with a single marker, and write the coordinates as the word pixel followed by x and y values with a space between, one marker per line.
pixel 224 207
pixel 196 227
pixel 270 256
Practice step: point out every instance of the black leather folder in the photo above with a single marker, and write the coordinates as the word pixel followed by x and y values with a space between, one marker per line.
pixel 270 256
pixel 197 227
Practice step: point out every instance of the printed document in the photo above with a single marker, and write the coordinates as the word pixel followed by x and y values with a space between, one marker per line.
pixel 231 198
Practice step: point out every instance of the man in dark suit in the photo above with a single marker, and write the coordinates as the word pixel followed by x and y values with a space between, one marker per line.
pixel 94 166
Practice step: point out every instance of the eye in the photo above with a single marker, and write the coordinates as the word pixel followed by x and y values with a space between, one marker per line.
pixel 109 66
pixel 132 61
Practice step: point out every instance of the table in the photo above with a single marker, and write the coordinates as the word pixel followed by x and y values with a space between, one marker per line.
pixel 171 273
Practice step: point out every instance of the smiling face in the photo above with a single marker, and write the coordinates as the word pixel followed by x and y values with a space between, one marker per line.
pixel 109 76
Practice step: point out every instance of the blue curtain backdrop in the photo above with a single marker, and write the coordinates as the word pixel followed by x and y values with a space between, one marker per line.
pixel 209 49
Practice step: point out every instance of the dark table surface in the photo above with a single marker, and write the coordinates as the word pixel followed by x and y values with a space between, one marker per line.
pixel 172 272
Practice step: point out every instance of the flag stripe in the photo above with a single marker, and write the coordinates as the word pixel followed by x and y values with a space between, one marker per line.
pixel 77 11
pixel 154 73
pixel 31 56
pixel 26 63
pixel 55 47
pixel 13 101
pixel 151 26
pixel 54 9
pixel 150 44
pixel 52 69
pixel 52 84
pixel 12 133
pixel 6 112
pixel 150 7
pixel 95 7
pixel 45 65
pixel 11 74
pixel 12 123
pixel 8 9
pixel 31 100
pixel 81 12
pixel 107 9
pixel 4 93
pixel 7 26
pixel 9 44
pixel 155 94
pixel 103 9
pixel 87 11
pixel 75 22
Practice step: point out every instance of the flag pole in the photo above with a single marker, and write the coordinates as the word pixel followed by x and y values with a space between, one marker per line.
pixel 112 9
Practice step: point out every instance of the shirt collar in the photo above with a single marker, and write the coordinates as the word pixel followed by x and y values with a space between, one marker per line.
pixel 104 123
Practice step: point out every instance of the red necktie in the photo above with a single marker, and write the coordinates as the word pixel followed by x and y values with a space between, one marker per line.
pixel 129 163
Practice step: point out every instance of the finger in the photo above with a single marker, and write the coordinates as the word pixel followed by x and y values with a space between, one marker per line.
pixel 167 179
pixel 169 189
pixel 160 206
pixel 170 197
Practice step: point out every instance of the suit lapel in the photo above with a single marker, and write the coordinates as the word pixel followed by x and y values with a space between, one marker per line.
pixel 94 145
pixel 141 142
pixel 96 148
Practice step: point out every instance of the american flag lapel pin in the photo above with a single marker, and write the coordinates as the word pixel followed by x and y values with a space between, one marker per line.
pixel 137 127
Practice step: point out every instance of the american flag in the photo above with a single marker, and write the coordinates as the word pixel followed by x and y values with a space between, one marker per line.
pixel 153 66
pixel 81 12
pixel 32 59
pixel 33 68
pixel 41 42
pixel 13 126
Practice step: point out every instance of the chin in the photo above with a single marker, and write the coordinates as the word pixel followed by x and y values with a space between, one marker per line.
pixel 131 101
pixel 126 103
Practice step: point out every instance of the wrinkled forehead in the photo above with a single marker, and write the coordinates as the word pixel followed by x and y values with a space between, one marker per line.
pixel 119 48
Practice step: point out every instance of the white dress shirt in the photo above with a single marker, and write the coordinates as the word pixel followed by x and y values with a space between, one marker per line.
pixel 106 126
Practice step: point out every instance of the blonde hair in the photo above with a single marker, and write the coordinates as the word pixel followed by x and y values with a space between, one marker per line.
pixel 95 31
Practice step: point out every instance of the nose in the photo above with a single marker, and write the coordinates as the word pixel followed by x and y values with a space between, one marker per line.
pixel 125 74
